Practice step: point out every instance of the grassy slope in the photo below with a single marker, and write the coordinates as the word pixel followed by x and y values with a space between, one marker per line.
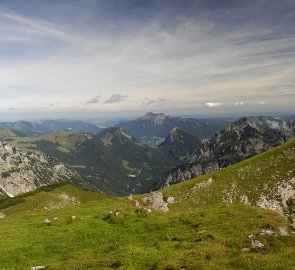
pixel 205 239
pixel 259 175
pixel 193 234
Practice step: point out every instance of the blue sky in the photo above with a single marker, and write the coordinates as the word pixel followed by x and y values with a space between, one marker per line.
pixel 97 58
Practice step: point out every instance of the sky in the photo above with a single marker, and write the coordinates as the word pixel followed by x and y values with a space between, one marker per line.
pixel 95 58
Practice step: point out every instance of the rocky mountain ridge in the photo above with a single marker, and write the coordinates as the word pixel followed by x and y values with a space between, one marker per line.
pixel 25 171
pixel 179 144
pixel 241 139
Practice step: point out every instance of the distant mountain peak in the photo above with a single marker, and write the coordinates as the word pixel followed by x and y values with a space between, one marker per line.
pixel 157 118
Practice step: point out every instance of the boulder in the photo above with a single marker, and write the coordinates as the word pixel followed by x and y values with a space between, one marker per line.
pixel 267 232
pixel 47 221
pixel 256 244
pixel 156 201
pixel 283 230
pixel 171 200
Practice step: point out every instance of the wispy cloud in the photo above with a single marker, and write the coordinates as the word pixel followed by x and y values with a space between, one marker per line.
pixel 261 102
pixel 190 54
pixel 116 98
pixel 213 104
pixel 155 102
pixel 93 100
pixel 240 103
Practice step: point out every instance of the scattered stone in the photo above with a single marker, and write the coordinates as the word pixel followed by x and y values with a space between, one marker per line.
pixel 130 198
pixel 267 232
pixel 47 221
pixel 38 268
pixel 245 249
pixel 137 204
pixel 256 244
pixel 2 215
pixel 148 210
pixel 115 213
pixel 251 236
pixel 56 218
pixel 74 217
pixel 283 231
pixel 156 201
pixel 171 200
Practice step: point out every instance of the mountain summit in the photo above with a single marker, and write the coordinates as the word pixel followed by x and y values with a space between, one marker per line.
pixel 179 144
pixel 157 119
pixel 155 127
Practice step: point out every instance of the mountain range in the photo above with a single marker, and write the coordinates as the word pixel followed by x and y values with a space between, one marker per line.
pixel 239 217
pixel 153 128
pixel 241 139
pixel 115 162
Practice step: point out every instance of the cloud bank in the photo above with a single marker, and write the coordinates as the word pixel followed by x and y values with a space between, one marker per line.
pixel 176 55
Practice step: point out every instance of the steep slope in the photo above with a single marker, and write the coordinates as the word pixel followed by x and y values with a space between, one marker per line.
pixel 25 171
pixel 179 144
pixel 54 125
pixel 24 128
pixel 67 228
pixel 112 161
pixel 156 127
pixel 241 139
pixel 266 180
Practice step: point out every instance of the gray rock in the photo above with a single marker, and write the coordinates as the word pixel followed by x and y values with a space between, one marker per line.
pixel 283 231
pixel 2 215
pixel 130 198
pixel 137 204
pixel 47 221
pixel 38 268
pixel 245 249
pixel 171 200
pixel 148 210
pixel 156 201
pixel 256 244
pixel 251 236
pixel 266 232
pixel 74 217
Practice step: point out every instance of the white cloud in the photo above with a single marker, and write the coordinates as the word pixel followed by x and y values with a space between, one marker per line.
pixel 213 104
pixel 240 103
pixel 116 98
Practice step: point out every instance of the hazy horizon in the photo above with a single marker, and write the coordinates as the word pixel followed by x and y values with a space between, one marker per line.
pixel 123 58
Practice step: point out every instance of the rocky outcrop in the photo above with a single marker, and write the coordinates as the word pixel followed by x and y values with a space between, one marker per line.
pixel 156 200
pixel 241 139
pixel 22 171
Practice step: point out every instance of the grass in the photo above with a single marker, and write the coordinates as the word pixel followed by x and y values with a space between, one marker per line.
pixel 209 238
pixel 254 177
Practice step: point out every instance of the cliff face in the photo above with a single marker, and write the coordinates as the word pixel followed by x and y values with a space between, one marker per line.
pixel 22 171
pixel 241 139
